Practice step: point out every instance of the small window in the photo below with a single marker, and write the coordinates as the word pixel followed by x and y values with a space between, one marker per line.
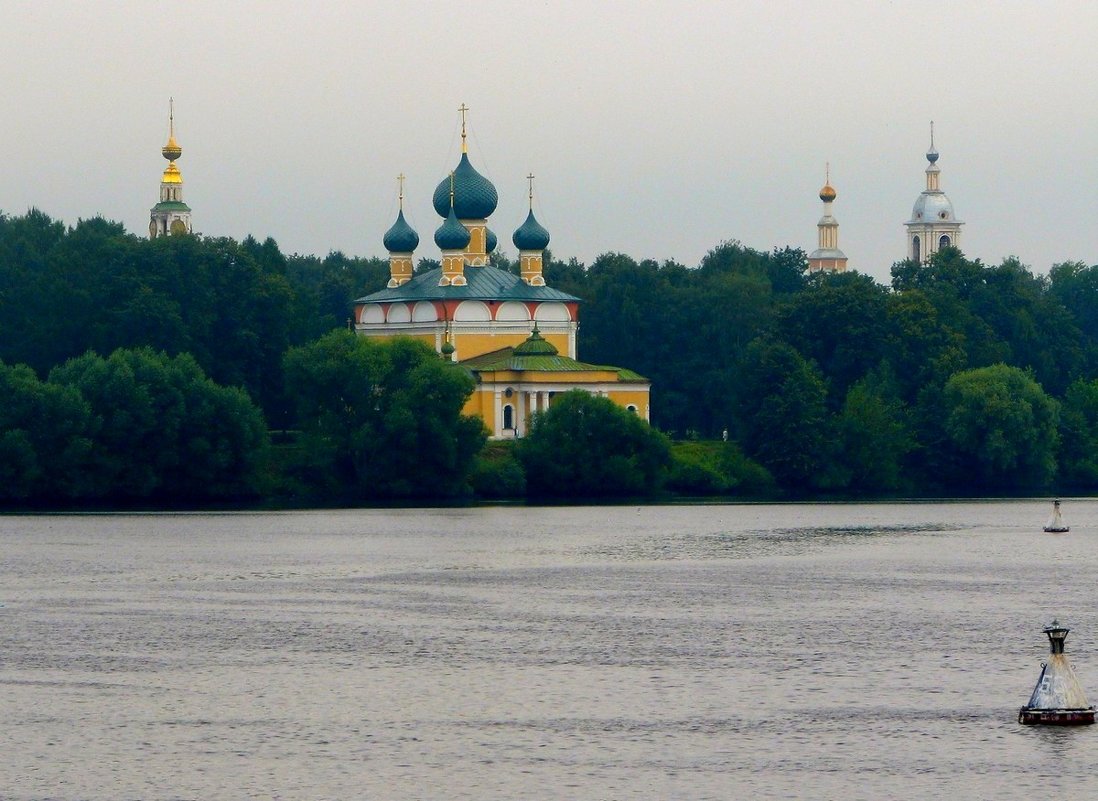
pixel 916 249
pixel 944 242
pixel 632 407
pixel 508 417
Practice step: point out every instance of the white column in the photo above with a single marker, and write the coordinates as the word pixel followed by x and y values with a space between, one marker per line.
pixel 520 413
pixel 497 423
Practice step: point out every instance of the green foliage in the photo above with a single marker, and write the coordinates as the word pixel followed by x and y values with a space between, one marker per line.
pixel 1079 434
pixel 237 307
pixel 586 445
pixel 383 417
pixel 1003 426
pixel 784 421
pixel 497 472
pixel 43 437
pixel 876 434
pixel 160 428
pixel 715 468
pixel 841 323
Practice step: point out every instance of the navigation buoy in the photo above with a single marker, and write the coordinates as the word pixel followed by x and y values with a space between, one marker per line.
pixel 1057 700
pixel 1056 523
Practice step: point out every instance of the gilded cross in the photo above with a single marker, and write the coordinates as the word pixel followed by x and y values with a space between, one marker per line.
pixel 464 108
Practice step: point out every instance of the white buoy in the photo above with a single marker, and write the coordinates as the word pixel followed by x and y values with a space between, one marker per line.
pixel 1057 700
pixel 1056 523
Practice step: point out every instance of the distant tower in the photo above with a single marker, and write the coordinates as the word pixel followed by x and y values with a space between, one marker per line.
pixel 171 215
pixel 827 255
pixel 933 224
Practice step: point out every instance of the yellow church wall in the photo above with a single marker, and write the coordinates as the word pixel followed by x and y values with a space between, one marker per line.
pixel 636 397
pixel 470 345
pixel 480 404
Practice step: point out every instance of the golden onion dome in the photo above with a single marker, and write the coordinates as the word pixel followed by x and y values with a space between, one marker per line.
pixel 172 175
pixel 172 150
pixel 828 193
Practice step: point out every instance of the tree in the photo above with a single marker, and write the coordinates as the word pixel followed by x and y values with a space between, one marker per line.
pixel 587 445
pixel 1003 426
pixel 839 321
pixel 783 418
pixel 383 417
pixel 160 428
pixel 1079 434
pixel 43 437
pixel 876 435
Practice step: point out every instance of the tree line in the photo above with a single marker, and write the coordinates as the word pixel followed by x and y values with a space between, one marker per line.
pixel 957 377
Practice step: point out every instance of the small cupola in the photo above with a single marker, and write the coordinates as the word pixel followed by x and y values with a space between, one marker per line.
pixel 535 345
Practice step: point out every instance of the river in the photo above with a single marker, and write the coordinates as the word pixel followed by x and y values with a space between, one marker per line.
pixel 800 651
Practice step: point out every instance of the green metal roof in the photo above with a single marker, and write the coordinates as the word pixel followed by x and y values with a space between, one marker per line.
pixel 536 345
pixel 509 359
pixel 485 283
pixel 171 205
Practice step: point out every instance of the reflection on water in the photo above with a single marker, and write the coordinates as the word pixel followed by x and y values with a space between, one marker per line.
pixel 799 651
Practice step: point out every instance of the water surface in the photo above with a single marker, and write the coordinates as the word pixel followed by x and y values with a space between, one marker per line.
pixel 695 652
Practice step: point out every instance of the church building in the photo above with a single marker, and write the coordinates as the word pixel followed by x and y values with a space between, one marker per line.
pixel 933 225
pixel 171 215
pixel 516 335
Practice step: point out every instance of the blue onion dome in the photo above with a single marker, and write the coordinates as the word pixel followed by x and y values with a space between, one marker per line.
pixel 530 235
pixel 401 238
pixel 474 195
pixel 452 235
pixel 490 240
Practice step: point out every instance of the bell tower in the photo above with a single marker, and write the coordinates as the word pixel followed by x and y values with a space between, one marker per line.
pixel 171 215
pixel 933 225
pixel 827 256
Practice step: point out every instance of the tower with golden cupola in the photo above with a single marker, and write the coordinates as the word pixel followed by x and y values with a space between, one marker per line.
pixel 827 256
pixel 171 216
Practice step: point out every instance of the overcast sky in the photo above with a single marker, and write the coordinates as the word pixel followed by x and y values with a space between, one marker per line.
pixel 657 129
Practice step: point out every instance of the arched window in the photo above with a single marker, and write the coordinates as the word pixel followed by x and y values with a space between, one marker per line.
pixel 916 250
pixel 944 242
pixel 632 407
pixel 508 417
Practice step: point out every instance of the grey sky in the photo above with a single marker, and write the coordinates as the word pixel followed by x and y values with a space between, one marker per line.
pixel 654 128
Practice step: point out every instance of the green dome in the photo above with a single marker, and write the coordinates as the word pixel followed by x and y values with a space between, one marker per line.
pixel 490 240
pixel 401 238
pixel 530 235
pixel 474 196
pixel 536 346
pixel 452 235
